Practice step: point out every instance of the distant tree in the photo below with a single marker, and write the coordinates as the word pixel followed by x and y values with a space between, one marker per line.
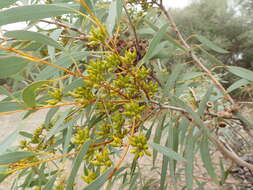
pixel 100 69
pixel 225 25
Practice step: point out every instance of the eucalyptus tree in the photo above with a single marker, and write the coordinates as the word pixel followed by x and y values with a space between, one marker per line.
pixel 99 68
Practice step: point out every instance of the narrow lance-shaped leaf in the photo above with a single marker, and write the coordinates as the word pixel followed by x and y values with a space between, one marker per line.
pixel 167 152
pixel 238 84
pixel 6 3
pixel 211 57
pixel 155 41
pixel 33 36
pixel 111 19
pixel 5 144
pixel 76 165
pixel 241 72
pixel 13 157
pixel 210 44
pixel 194 115
pixel 10 106
pixel 29 94
pixel 167 37
pixel 189 155
pixel 158 134
pixel 206 158
pixel 171 81
pixel 11 65
pixel 165 164
pixel 34 12
pixel 49 185
pixel 204 101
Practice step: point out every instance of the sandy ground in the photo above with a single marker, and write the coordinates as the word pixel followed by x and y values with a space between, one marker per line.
pixel 10 123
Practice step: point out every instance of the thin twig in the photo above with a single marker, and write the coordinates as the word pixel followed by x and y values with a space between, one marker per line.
pixel 64 26
pixel 194 57
pixel 133 28
pixel 230 154
pixel 74 37
pixel 36 59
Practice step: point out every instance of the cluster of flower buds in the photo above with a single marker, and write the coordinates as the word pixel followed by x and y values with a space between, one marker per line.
pixel 55 95
pixel 140 147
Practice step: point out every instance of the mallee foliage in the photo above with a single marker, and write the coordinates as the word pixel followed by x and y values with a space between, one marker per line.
pixel 105 72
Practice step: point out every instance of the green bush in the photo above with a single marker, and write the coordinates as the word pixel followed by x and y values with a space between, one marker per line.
pixel 100 68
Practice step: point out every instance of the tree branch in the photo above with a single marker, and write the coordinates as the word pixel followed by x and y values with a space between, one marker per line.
pixel 65 26
pixel 133 28
pixel 194 57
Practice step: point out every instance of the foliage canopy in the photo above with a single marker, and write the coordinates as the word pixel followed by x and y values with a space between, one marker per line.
pixel 115 83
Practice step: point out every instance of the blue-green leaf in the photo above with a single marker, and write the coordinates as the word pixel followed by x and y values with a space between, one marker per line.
pixel 65 60
pixel 33 36
pixel 206 158
pixel 49 185
pixel 241 72
pixel 29 94
pixel 11 65
pixel 76 165
pixel 167 152
pixel 6 3
pixel 13 157
pixel 5 144
pixel 33 12
pixel 194 115
pixel 111 19
pixel 10 106
pixel 210 44
pixel 238 84
pixel 155 41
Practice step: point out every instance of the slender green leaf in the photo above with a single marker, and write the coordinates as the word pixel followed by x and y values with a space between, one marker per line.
pixel 26 134
pixel 206 158
pixel 165 164
pixel 194 115
pixel 13 157
pixel 3 176
pixel 75 84
pixel 50 183
pixel 6 3
pixel 11 65
pixel 158 134
pixel 10 106
pixel 59 126
pixel 210 44
pixel 202 105
pixel 34 12
pixel 241 72
pixel 171 81
pixel 65 60
pixel 245 121
pixel 155 41
pixel 119 5
pixel 29 93
pixel 67 139
pixel 189 155
pixel 111 19
pixel 167 152
pixel 76 165
pixel 238 84
pixel 5 144
pixel 190 75
pixel 167 37
pixel 211 58
pixel 33 36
